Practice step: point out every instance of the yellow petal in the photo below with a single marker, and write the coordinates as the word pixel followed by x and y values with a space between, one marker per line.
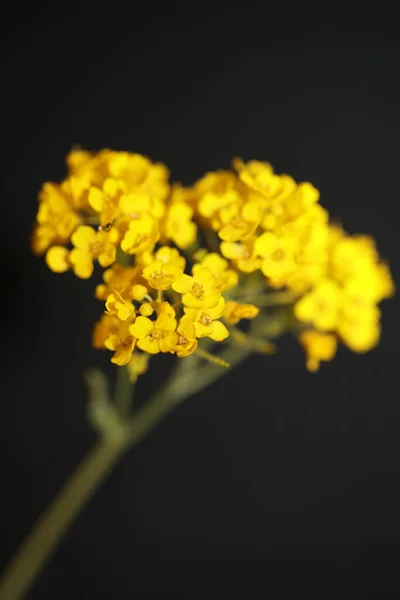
pixel 141 327
pixel 82 263
pixel 219 331
pixel 165 322
pixel 205 277
pixel 183 285
pixel 168 342
pixel 217 311
pixel 96 199
pixel 83 237
pixel 149 345
pixel 57 259
pixel 107 257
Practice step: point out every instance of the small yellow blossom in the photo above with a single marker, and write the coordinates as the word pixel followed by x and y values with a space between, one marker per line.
pixel 119 278
pixel 187 341
pixel 121 342
pixel 321 306
pixel 57 259
pixel 104 328
pixel 106 201
pixel 205 321
pixel 142 234
pixel 360 330
pixel 243 254
pixel 146 309
pixel 138 292
pixel 226 278
pixel 277 254
pixel 199 291
pixel 260 177
pixel 155 336
pixel 318 347
pixel 90 245
pixel 161 276
pixel 116 306
pixel 178 225
pixel 235 312
pixel 170 256
pixel 239 222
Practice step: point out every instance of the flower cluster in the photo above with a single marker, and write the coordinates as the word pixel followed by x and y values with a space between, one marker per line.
pixel 164 291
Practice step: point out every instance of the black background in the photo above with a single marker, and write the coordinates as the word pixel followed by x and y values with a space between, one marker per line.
pixel 274 480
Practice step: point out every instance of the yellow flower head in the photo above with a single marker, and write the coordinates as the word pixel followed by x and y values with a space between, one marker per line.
pixel 103 329
pixel 318 347
pixel 235 312
pixel 178 225
pixel 277 254
pixel 239 222
pixel 119 278
pixel 260 177
pixel 121 342
pixel 155 336
pixel 242 254
pixel 226 278
pixel 321 306
pixel 90 245
pixel 116 306
pixel 106 201
pixel 199 291
pixel 57 259
pixel 187 342
pixel 56 218
pixel 205 321
pixel 360 330
pixel 161 276
pixel 170 256
pixel 142 235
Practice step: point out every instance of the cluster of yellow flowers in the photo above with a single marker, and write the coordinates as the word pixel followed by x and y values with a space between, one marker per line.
pixel 119 209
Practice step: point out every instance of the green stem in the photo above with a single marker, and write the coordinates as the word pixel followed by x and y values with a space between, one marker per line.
pixel 48 531
pixel 124 391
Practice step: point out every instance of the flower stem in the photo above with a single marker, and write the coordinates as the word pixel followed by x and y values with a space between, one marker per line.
pixel 48 531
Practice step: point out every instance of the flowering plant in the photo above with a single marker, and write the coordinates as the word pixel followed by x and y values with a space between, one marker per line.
pixel 208 273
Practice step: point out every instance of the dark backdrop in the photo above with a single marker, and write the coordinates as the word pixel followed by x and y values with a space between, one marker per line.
pixel 274 479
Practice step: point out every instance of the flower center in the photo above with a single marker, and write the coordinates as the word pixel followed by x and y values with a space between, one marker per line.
pixel 198 291
pixel 278 255
pixel 205 319
pixel 182 340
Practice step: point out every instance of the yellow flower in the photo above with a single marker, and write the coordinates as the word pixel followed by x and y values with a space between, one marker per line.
pixel 119 278
pixel 139 174
pixel 187 342
pixel 56 218
pixel 235 312
pixel 116 306
pixel 360 330
pixel 239 222
pixel 205 323
pixel 161 276
pixel 178 225
pixel 138 202
pixel 146 309
pixel 155 336
pixel 350 255
pixel 243 254
pixel 318 347
pixel 199 291
pixel 226 278
pixel 277 254
pixel 57 259
pixel 103 329
pixel 90 245
pixel 142 235
pixel 260 177
pixel 90 166
pixel 321 306
pixel 170 256
pixel 138 292
pixel 121 342
pixel 106 201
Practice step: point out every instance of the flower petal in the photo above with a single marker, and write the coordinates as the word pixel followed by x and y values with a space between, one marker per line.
pixel 83 237
pixel 183 285
pixel 141 327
